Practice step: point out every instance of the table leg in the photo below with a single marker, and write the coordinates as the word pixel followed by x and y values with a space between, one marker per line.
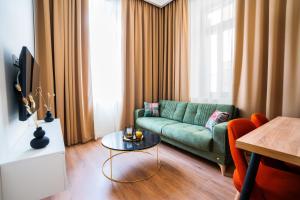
pixel 157 156
pixel 110 156
pixel 250 176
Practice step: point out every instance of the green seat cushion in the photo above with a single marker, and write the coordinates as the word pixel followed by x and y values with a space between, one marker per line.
pixel 194 136
pixel 154 124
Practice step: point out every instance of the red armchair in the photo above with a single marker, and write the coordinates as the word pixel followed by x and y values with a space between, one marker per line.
pixel 271 183
pixel 259 119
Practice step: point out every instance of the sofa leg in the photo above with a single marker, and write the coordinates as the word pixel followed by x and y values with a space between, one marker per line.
pixel 223 169
pixel 237 196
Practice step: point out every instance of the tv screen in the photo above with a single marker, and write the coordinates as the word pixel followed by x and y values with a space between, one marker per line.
pixel 29 81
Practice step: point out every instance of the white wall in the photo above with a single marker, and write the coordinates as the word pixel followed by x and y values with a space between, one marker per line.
pixel 16 30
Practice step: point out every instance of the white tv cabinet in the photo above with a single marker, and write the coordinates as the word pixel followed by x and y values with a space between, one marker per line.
pixel 32 174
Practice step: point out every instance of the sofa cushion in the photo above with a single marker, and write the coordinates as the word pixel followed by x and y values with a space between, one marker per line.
pixel 194 136
pixel 154 124
pixel 227 108
pixel 204 111
pixel 167 108
pixel 216 118
pixel 179 111
pixel 172 109
pixel 151 109
pixel 190 113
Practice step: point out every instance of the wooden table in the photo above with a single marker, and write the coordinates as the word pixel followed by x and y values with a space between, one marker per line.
pixel 278 139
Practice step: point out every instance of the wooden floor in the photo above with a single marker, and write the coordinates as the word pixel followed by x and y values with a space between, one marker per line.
pixel 182 176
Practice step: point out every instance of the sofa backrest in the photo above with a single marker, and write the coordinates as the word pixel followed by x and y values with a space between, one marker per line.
pixel 172 109
pixel 193 113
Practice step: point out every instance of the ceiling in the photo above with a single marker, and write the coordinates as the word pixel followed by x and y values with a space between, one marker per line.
pixel 159 3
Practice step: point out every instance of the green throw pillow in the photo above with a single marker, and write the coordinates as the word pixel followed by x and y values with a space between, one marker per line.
pixel 151 109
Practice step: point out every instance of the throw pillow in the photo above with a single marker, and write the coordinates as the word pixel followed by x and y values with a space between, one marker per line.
pixel 216 118
pixel 151 109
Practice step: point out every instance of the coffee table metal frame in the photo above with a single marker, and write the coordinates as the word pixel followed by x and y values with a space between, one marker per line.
pixel 110 160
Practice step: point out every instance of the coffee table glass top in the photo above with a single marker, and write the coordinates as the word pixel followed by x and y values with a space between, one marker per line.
pixel 115 141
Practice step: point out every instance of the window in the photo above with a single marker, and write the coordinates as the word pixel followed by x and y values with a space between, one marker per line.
pixel 211 49
pixel 105 46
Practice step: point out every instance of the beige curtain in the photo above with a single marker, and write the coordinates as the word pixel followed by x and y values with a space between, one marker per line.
pixel 174 80
pixel 62 51
pixel 155 52
pixel 267 58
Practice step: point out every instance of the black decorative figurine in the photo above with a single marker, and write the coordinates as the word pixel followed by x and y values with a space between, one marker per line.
pixel 40 140
pixel 48 117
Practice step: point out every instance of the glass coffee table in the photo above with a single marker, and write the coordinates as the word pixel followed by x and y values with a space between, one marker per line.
pixel 114 142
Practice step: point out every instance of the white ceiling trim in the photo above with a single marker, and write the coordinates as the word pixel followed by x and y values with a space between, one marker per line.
pixel 159 3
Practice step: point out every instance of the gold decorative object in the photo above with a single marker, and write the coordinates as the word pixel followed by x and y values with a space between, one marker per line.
pixel 18 87
pixel 28 102
pixel 47 103
pixel 25 101
pixel 32 102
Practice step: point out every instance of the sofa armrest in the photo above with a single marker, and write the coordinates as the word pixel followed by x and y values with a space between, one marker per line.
pixel 236 113
pixel 138 113
pixel 220 138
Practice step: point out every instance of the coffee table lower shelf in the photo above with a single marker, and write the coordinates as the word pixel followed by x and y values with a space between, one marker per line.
pixel 110 159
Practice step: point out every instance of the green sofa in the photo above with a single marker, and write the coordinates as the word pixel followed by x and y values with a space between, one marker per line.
pixel 182 124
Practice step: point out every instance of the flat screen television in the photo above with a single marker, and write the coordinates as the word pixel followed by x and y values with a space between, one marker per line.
pixel 29 81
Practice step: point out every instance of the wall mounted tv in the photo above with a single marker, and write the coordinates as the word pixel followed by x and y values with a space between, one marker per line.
pixel 29 81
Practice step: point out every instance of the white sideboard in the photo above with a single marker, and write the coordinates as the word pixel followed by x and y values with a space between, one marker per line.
pixel 32 174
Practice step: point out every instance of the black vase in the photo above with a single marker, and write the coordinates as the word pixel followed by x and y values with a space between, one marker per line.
pixel 49 117
pixel 40 140
pixel 39 132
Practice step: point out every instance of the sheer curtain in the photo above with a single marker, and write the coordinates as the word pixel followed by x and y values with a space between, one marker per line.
pixel 211 50
pixel 105 42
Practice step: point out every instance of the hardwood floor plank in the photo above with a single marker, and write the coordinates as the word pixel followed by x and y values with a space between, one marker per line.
pixel 182 176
